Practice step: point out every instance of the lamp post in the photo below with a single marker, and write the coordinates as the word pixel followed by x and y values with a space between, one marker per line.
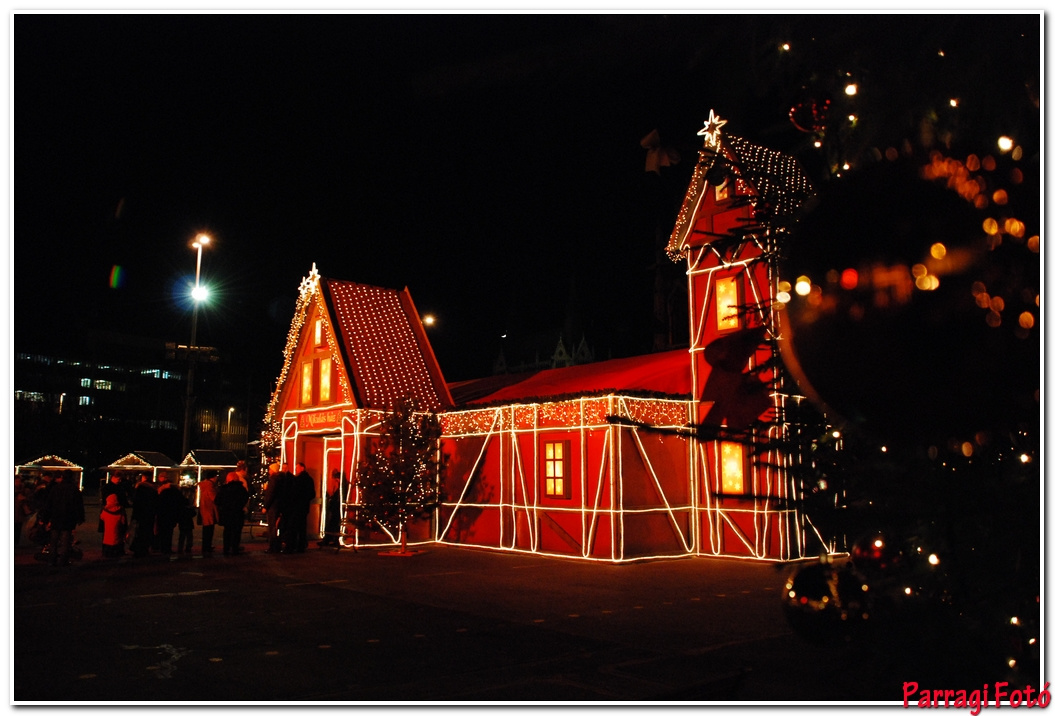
pixel 198 294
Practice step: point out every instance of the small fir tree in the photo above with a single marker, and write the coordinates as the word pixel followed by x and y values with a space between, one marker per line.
pixel 400 480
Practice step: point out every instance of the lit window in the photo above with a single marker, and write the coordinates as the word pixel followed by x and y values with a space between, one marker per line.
pixel 727 296
pixel 557 461
pixel 732 468
pixel 325 365
pixel 86 382
pixel 305 384
pixel 103 385
pixel 318 331
pixel 721 193
pixel 84 400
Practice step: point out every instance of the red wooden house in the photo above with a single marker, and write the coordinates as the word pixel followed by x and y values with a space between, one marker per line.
pixel 351 351
pixel 661 455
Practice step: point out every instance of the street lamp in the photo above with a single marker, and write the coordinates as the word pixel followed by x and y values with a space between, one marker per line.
pixel 199 293
pixel 229 411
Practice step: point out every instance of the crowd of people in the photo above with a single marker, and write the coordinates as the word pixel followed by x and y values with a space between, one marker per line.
pixel 50 512
pixel 148 516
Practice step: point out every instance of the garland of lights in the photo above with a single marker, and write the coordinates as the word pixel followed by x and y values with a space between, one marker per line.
pixel 579 412
pixel 38 464
pixel 272 432
pixel 966 179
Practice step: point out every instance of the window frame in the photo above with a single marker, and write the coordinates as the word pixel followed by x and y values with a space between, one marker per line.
pixel 325 379
pixel 727 318
pixel 564 461
pixel 724 462
pixel 307 379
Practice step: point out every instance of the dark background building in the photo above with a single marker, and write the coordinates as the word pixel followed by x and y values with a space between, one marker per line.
pixel 120 393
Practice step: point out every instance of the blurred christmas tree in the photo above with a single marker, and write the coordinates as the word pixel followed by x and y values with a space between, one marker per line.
pixel 912 329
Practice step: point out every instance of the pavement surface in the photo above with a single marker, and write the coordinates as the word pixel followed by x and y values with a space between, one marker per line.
pixel 444 625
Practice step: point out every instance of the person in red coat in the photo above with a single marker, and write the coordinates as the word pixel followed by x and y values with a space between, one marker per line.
pixel 207 510
pixel 115 527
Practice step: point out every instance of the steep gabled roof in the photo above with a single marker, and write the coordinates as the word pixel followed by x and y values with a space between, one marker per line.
pixel 210 458
pixel 48 462
pixel 384 346
pixel 143 459
pixel 380 344
pixel 664 373
pixel 774 180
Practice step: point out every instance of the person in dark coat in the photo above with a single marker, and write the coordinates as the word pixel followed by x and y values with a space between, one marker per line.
pixel 272 503
pixel 22 509
pixel 231 500
pixel 116 486
pixel 333 511
pixel 40 492
pixel 170 505
pixel 285 498
pixel 187 514
pixel 144 512
pixel 62 512
pixel 302 493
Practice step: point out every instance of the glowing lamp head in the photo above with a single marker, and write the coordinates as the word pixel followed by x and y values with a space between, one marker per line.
pixel 428 319
pixel 201 240
pixel 199 293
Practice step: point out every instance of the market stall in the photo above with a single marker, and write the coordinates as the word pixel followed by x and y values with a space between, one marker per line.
pixel 30 472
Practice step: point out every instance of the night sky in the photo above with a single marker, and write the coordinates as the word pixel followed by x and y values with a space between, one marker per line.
pixel 492 164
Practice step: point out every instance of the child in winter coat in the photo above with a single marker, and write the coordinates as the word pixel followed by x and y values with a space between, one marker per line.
pixel 115 527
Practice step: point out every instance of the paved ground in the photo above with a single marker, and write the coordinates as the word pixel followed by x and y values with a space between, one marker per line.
pixel 445 625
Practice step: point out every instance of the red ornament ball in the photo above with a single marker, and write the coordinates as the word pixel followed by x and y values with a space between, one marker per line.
pixel 810 115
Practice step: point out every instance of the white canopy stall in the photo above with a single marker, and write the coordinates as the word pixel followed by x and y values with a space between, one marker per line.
pixel 50 463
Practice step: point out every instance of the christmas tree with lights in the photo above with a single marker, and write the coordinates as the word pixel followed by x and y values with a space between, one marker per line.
pixel 400 479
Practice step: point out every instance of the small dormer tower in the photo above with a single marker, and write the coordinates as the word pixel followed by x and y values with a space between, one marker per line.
pixel 731 220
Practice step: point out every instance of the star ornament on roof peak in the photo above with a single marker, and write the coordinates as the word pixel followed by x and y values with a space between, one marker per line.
pixel 712 128
pixel 309 283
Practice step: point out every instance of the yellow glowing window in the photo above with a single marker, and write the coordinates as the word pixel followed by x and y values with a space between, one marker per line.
pixel 318 331
pixel 727 298
pixel 305 384
pixel 732 468
pixel 556 461
pixel 325 364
